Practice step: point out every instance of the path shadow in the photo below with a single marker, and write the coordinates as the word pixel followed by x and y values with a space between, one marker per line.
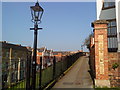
pixel 92 76
pixel 91 71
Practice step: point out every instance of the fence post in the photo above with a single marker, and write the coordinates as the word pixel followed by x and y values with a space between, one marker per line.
pixel 67 61
pixel 40 80
pixel 54 66
pixel 28 71
pixel 61 65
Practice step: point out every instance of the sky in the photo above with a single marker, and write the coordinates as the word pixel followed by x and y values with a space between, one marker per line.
pixel 65 24
pixel 49 0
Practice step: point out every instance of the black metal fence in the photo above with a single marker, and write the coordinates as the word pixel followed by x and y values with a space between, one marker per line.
pixel 43 76
pixel 13 73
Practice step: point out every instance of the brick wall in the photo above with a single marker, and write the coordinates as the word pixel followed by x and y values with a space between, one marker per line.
pixel 101 61
pixel 101 53
pixel 92 56
pixel 114 75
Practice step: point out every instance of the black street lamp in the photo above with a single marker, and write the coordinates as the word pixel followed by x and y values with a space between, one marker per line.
pixel 36 12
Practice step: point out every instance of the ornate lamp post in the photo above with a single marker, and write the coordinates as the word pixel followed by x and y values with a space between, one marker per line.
pixel 36 12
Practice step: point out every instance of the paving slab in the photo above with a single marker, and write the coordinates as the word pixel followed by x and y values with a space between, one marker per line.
pixel 77 77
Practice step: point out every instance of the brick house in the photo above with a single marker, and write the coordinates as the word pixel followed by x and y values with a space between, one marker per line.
pixel 105 44
pixel 60 54
pixel 47 56
pixel 103 61
pixel 14 59
pixel 109 10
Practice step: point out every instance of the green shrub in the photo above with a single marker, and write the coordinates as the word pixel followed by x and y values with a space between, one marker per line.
pixel 115 65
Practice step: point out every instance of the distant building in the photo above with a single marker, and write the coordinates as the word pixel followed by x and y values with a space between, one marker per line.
pixel 72 52
pixel 60 54
pixel 13 63
pixel 47 56
pixel 110 10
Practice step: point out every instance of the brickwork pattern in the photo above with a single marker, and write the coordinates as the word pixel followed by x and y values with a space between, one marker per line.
pixel 101 53
pixel 114 75
pixel 100 28
pixel 92 56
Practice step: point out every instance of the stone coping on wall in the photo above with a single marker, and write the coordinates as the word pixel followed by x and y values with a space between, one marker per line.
pixel 99 22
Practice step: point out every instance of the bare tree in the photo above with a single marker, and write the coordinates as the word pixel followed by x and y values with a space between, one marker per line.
pixel 87 41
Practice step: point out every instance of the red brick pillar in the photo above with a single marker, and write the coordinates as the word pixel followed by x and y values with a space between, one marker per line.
pixel 101 53
pixel 92 55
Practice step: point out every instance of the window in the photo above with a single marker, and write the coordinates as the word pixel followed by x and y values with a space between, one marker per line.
pixel 12 77
pixel 15 54
pixel 112 30
pixel 21 74
pixel 113 23
pixel 16 76
pixel 7 54
pixel 22 64
pixel 107 5
pixel 112 36
pixel 13 65
pixel 16 65
pixel 6 65
pixel 112 44
pixel 5 78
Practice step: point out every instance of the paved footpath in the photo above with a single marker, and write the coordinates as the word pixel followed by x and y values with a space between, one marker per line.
pixel 77 77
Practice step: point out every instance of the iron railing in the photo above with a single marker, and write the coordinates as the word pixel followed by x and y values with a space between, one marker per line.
pixel 44 77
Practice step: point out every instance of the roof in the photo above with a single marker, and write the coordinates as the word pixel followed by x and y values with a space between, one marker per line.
pixel 48 51
pixel 41 49
pixel 7 45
